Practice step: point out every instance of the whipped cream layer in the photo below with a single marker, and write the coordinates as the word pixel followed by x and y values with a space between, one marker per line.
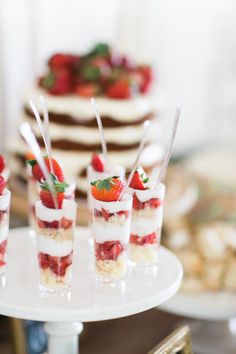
pixel 68 211
pixel 147 194
pixel 54 248
pixel 123 135
pixel 93 175
pixel 144 226
pixel 108 231
pixel 4 229
pixel 121 110
pixel 113 207
pixel 5 199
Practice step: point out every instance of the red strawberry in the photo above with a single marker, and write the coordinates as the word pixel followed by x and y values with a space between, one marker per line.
pixel 116 250
pixel 58 82
pixel 2 163
pixel 147 77
pixel 65 223
pixel 60 61
pixel 98 163
pixel 107 190
pixel 43 260
pixel 126 213
pixel 2 184
pixel 148 239
pixel 87 89
pixel 47 200
pixel 139 179
pixel 38 174
pixel 105 214
pixel 119 89
pixel 154 203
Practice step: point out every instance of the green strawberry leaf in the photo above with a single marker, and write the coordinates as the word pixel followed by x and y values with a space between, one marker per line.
pixel 31 162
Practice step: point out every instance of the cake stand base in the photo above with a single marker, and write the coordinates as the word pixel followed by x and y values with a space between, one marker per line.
pixel 63 337
pixel 213 337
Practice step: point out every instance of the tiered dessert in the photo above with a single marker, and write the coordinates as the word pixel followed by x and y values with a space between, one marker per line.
pixel 55 228
pixel 99 170
pixel 5 197
pixel 125 99
pixel 111 227
pixel 147 217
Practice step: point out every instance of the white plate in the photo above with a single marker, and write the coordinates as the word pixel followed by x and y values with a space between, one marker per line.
pixel 20 298
pixel 204 306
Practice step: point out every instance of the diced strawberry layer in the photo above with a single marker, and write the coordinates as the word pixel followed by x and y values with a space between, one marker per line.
pixel 106 215
pixel 3 248
pixel 63 223
pixel 58 265
pixel 109 250
pixel 152 203
pixel 148 239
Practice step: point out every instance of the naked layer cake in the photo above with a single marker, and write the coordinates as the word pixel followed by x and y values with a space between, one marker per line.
pixel 125 98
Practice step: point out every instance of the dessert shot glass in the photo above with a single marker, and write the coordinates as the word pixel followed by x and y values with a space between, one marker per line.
pixel 5 199
pixel 111 230
pixel 55 237
pixel 146 225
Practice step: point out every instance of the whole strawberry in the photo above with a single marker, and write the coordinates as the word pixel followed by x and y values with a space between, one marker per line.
pixel 2 184
pixel 120 89
pixel 107 190
pixel 58 82
pixel 2 163
pixel 56 169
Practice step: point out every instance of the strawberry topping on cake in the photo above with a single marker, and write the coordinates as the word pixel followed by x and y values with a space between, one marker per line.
pixel 2 184
pixel 98 72
pixel 2 163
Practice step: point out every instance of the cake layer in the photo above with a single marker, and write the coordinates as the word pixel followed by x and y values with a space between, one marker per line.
pixel 84 138
pixel 108 122
pixel 80 109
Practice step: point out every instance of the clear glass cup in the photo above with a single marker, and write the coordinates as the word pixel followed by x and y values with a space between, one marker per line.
pixel 5 200
pixel 111 230
pixel 146 225
pixel 55 237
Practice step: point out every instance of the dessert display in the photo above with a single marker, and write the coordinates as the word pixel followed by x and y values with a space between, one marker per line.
pixel 147 216
pixel 99 170
pixel 55 219
pixel 111 227
pixel 5 197
pixel 125 96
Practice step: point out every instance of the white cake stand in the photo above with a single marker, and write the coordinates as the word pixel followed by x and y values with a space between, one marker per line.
pixel 87 301
pixel 214 330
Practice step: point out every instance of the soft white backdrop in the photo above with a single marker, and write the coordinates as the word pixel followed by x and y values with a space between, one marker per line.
pixel 192 44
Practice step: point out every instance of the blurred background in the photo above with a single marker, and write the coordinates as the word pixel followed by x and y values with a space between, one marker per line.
pixel 192 47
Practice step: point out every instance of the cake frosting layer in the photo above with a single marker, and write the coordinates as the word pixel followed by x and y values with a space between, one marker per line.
pixel 79 108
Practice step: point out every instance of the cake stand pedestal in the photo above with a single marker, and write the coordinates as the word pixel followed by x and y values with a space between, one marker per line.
pixel 214 325
pixel 87 301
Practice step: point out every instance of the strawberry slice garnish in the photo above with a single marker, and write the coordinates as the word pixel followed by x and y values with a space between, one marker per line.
pixel 139 179
pixel 98 163
pixel 2 163
pixel 2 184
pixel 87 89
pixel 38 174
pixel 107 190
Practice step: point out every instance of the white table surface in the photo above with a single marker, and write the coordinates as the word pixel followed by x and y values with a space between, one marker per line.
pixel 88 302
